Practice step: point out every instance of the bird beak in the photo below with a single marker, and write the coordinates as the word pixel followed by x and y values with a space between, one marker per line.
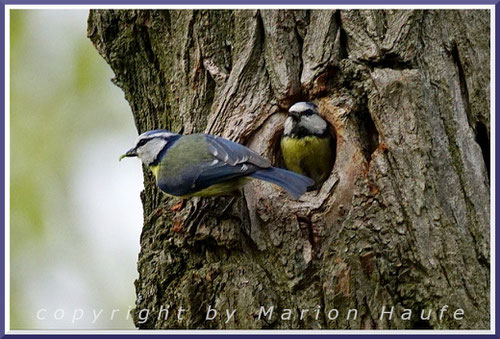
pixel 294 114
pixel 130 153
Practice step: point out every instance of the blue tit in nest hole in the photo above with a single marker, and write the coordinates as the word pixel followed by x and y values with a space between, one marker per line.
pixel 306 144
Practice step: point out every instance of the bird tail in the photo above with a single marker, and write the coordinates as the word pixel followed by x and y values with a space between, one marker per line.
pixel 293 183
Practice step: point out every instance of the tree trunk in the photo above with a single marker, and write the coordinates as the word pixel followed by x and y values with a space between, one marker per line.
pixel 403 220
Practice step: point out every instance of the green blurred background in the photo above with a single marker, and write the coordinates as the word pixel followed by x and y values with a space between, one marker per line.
pixel 75 212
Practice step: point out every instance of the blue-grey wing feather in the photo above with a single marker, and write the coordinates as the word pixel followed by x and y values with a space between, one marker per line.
pixel 233 153
pixel 231 160
pixel 211 174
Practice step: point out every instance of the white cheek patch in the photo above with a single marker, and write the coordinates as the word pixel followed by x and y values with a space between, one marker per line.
pixel 288 125
pixel 150 150
pixel 313 123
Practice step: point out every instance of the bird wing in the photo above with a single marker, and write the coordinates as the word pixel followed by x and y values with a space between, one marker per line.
pixel 232 153
pixel 230 160
pixel 217 172
pixel 197 161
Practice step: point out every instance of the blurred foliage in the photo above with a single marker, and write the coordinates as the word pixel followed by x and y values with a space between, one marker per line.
pixel 60 96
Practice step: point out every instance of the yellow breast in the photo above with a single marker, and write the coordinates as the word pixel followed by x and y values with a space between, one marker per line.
pixel 155 170
pixel 311 156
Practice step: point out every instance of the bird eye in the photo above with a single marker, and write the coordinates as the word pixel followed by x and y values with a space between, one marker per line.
pixel 142 142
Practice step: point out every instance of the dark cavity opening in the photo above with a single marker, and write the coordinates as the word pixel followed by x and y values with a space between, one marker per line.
pixel 464 92
pixel 483 141
pixel 368 134
pixel 343 36
pixel 277 156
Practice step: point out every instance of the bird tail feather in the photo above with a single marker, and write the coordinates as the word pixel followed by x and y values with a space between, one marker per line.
pixel 293 183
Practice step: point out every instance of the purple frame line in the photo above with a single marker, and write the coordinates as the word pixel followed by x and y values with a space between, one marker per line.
pixel 235 336
pixel 497 124
pixel 2 184
pixel 251 2
pixel 200 2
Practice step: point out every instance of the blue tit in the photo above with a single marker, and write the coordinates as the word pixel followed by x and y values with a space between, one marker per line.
pixel 206 165
pixel 307 144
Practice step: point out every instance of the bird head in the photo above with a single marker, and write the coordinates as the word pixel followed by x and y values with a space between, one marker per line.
pixel 304 116
pixel 149 146
pixel 303 108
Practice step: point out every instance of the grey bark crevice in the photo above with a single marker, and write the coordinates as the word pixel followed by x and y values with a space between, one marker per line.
pixel 403 219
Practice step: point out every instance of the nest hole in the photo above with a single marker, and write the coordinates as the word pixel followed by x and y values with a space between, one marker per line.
pixel 277 159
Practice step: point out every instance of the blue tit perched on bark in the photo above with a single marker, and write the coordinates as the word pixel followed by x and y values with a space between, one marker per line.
pixel 206 165
pixel 306 143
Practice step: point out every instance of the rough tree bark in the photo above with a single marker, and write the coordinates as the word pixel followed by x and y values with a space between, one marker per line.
pixel 403 219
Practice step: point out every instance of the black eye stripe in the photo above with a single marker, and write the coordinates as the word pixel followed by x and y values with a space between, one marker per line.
pixel 142 142
pixel 308 112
